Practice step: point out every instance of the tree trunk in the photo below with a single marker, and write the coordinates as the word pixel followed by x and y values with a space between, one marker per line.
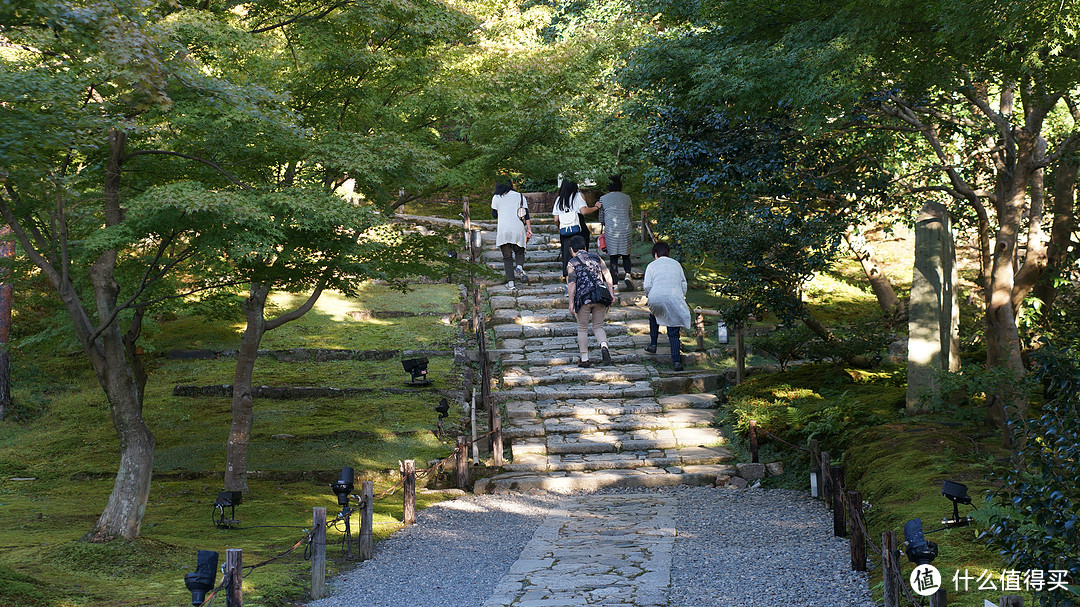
pixel 1002 334
pixel 243 405
pixel 124 511
pixel 879 282
pixel 1064 222
pixel 7 252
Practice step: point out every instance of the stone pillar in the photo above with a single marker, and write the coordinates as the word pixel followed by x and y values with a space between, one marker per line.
pixel 934 311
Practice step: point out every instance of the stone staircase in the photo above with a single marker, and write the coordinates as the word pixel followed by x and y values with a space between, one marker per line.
pixel 583 429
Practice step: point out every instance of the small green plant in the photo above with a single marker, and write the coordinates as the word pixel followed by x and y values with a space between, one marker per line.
pixel 866 339
pixel 785 344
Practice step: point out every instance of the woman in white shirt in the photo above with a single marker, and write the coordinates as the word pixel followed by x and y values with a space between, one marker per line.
pixel 513 231
pixel 568 205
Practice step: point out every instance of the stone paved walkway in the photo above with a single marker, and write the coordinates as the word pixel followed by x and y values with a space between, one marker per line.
pixel 596 550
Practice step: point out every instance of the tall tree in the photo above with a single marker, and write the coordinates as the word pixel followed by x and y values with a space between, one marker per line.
pixel 984 87
pixel 87 89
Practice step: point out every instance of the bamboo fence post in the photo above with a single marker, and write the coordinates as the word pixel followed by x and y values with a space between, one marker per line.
pixel 367 539
pixel 461 463
pixel 234 570
pixel 318 553
pixel 826 485
pixel 888 565
pixel 858 540
pixel 839 522
pixel 1011 600
pixel 940 598
pixel 408 507
pixel 815 464
pixel 496 436
pixel 753 442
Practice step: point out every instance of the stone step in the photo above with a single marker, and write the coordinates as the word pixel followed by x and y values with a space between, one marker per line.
pixel 567 482
pixel 565 374
pixel 635 440
pixel 555 315
pixel 567 345
pixel 629 460
pixel 557 299
pixel 600 390
pixel 560 329
pixel 566 358
pixel 531 255
pixel 599 423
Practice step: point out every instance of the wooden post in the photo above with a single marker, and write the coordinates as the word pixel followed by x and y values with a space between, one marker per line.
pixel 1011 600
pixel 318 553
pixel 485 372
pixel 753 442
pixel 889 567
pixel 839 522
pixel 740 355
pixel 826 480
pixel 496 437
pixel 858 540
pixel 699 331
pixel 367 540
pixel 643 228
pixel 409 487
pixel 234 570
pixel 940 598
pixel 461 462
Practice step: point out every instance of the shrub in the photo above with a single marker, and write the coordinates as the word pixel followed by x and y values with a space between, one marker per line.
pixel 1034 517
pixel 785 344
pixel 864 339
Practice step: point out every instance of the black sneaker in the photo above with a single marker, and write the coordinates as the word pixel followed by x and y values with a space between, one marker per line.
pixel 676 367
pixel 605 356
pixel 629 284
pixel 584 364
pixel 651 348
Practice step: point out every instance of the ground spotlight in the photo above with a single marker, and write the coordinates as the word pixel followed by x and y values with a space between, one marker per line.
pixel 417 368
pixel 957 493
pixel 919 550
pixel 202 580
pixel 343 486
pixel 227 499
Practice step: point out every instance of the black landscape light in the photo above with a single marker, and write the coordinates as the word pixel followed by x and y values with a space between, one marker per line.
pixel 957 493
pixel 343 486
pixel 919 550
pixel 417 368
pixel 202 580
pixel 227 499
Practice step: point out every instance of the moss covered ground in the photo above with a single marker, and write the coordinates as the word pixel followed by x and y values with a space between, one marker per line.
pixel 57 463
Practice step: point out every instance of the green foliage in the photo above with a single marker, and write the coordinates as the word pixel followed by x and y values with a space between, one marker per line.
pixel 1034 518
pixel 785 344
pixel 863 338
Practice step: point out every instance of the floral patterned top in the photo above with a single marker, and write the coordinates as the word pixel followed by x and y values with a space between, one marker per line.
pixel 588 271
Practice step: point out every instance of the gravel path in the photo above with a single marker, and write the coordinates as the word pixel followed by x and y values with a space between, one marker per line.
pixel 733 548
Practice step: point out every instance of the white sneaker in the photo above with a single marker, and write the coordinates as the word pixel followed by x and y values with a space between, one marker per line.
pixel 519 272
pixel 510 285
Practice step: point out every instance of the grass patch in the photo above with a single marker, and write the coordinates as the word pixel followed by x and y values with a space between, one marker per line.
pixel 68 449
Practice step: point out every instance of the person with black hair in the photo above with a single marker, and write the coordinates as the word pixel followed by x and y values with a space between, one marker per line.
pixel 586 274
pixel 569 210
pixel 665 286
pixel 615 216
pixel 513 231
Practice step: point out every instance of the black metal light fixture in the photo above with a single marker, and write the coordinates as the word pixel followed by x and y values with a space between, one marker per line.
pixel 957 494
pixel 343 487
pixel 227 499
pixel 417 368
pixel 919 550
pixel 201 581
